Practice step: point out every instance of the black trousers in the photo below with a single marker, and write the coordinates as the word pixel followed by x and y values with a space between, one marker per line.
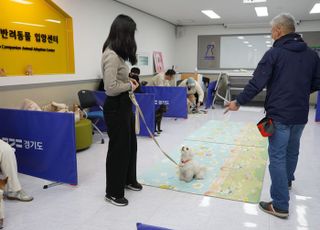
pixel 122 152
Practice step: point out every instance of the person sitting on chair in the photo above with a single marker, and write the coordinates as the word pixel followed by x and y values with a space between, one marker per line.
pixel 134 74
pixel 193 88
pixel 162 79
pixel 8 166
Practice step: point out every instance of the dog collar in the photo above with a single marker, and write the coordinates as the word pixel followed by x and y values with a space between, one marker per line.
pixel 184 162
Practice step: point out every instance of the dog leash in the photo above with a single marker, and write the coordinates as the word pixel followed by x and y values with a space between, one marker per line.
pixel 221 97
pixel 139 111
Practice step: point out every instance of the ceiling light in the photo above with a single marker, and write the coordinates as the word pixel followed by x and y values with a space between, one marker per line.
pixel 241 37
pixel 303 197
pixel 315 9
pixel 247 25
pixel 246 42
pixel 268 42
pixel 28 24
pixel 250 225
pixel 210 14
pixel 261 11
pixel 52 20
pixel 253 1
pixel 269 45
pixel 249 45
pixel 267 36
pixel 22 2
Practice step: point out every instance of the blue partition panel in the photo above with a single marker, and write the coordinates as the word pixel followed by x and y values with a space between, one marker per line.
pixel 44 142
pixel 318 108
pixel 210 95
pixel 174 97
pixel 141 226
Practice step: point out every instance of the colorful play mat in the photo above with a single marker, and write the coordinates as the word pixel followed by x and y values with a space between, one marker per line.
pixel 234 155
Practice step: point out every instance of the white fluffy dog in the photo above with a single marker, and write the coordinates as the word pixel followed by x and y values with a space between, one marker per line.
pixel 188 169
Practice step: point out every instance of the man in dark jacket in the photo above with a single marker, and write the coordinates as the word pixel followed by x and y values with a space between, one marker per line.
pixel 291 71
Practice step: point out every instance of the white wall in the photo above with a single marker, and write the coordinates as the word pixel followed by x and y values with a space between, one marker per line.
pixel 187 40
pixel 91 23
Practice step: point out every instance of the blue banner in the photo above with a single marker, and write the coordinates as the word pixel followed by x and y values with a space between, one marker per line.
pixel 318 108
pixel 174 97
pixel 210 95
pixel 146 102
pixel 44 143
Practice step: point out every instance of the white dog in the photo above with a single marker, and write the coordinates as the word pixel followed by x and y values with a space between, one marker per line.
pixel 188 169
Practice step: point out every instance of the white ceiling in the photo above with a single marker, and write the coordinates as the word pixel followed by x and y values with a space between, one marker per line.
pixel 188 12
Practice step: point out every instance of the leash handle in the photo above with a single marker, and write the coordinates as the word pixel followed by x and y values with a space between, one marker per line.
pixel 134 101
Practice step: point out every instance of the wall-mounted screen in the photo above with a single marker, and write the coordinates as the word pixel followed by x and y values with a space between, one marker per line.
pixel 243 51
pixel 240 51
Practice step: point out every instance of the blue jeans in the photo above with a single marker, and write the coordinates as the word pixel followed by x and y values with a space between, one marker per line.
pixel 283 155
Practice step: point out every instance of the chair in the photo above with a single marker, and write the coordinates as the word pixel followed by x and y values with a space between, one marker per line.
pixel 101 85
pixel 88 101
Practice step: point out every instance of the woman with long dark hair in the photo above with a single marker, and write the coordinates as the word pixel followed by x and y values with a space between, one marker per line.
pixel 119 47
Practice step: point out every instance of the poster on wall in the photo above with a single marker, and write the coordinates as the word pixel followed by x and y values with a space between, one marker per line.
pixel 144 63
pixel 208 52
pixel 36 38
pixel 158 62
pixel 143 59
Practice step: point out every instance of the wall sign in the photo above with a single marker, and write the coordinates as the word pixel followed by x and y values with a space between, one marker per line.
pixel 36 37
pixel 158 62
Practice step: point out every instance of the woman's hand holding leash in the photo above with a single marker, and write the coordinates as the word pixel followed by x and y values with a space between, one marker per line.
pixel 134 84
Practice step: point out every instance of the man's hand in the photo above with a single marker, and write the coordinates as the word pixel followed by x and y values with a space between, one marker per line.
pixel 134 84
pixel 231 106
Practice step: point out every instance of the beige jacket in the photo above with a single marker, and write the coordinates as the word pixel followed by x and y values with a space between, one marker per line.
pixel 115 73
pixel 196 89
pixel 159 80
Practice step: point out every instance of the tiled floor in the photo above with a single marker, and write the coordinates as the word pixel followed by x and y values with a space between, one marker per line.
pixel 83 207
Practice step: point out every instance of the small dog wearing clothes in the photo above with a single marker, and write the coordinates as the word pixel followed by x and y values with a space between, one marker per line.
pixel 188 169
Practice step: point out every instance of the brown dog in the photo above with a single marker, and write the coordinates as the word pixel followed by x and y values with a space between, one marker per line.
pixel 3 183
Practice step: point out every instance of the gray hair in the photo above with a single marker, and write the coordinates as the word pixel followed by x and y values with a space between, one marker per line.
pixel 285 21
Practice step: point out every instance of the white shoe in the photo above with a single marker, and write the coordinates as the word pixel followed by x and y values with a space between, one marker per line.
pixel 19 195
